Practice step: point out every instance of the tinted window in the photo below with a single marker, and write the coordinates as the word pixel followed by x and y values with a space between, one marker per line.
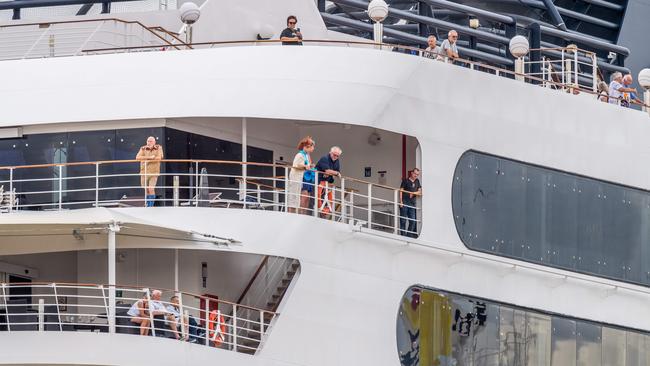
pixel 551 217
pixel 439 328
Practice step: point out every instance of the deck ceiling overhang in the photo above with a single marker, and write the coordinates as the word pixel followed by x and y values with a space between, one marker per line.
pixel 86 229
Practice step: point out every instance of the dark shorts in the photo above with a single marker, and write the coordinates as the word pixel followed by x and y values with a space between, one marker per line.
pixel 309 187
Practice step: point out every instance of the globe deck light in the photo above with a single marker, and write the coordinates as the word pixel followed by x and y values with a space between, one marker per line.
pixel 378 11
pixel 519 48
pixel 189 13
pixel 644 81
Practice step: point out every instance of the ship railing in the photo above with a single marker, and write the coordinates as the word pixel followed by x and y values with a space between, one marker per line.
pixel 569 69
pixel 70 38
pixel 209 183
pixel 69 307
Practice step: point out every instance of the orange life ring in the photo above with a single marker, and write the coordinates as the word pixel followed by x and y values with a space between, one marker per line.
pixel 216 321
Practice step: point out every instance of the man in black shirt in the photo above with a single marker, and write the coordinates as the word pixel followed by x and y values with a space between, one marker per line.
pixel 291 35
pixel 410 190
pixel 330 166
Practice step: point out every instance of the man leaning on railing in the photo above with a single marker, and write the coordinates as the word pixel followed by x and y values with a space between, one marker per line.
pixel 330 167
pixel 150 156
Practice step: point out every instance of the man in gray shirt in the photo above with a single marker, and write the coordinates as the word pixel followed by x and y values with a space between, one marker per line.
pixel 449 47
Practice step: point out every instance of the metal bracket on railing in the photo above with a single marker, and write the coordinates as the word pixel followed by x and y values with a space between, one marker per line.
pixel 56 304
pixel 4 298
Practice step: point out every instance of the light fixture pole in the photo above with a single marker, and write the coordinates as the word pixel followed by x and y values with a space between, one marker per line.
pixel 378 11
pixel 519 48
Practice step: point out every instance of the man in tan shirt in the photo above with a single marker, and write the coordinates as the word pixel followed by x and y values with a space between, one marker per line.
pixel 150 156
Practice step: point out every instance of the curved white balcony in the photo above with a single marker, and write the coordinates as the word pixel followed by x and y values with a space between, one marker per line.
pixel 67 307
pixel 199 183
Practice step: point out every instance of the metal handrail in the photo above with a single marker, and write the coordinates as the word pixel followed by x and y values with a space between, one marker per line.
pixel 47 188
pixel 243 330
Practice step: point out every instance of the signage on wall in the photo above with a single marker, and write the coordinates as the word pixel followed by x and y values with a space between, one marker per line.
pixel 367 172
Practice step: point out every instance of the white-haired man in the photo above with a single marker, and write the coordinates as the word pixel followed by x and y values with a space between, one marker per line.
pixel 329 167
pixel 150 156
pixel 631 96
pixel 432 51
pixel 617 89
pixel 449 46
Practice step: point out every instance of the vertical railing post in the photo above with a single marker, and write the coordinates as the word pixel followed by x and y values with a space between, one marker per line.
pixel 12 196
pixel 286 189
pixel 56 305
pixel 60 186
pixel 234 327
pixel 196 183
pixel 41 318
pixel 261 323
pixel 369 205
pixel 146 186
pixel 575 68
pixel 206 315
pixel 181 313
pixel 153 327
pixel 562 70
pixel 316 195
pixel 396 211
pixel 594 72
pixel 4 301
pixel 96 184
pixel 343 218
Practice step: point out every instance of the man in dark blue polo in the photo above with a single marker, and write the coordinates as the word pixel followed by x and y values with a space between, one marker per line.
pixel 329 166
pixel 410 190
pixel 291 35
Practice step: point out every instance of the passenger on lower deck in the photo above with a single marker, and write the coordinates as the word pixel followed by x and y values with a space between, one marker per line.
pixel 139 313
pixel 329 167
pixel 300 167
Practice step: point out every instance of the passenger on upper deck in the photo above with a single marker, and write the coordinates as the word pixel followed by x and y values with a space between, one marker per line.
pixel 632 97
pixel 449 46
pixel 291 35
pixel 150 156
pixel 410 189
pixel 330 166
pixel 616 89
pixel 433 51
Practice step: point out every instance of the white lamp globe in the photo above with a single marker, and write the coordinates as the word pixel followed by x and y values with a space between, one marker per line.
pixel 378 10
pixel 189 13
pixel 644 79
pixel 519 46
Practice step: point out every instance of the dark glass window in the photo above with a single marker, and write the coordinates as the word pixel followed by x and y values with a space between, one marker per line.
pixel 436 327
pixel 551 217
pixel 107 145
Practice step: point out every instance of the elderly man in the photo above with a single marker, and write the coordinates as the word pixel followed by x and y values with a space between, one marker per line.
pixel 329 166
pixel 432 51
pixel 149 156
pixel 627 82
pixel 448 46
pixel 617 90
pixel 159 310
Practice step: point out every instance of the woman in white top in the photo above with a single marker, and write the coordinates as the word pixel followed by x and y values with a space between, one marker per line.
pixel 301 163
pixel 139 313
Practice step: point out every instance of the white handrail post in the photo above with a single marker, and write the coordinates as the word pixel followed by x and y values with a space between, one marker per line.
pixel 96 184
pixel 4 300
pixel 575 67
pixel 196 183
pixel 112 248
pixel 286 189
pixel 206 316
pixel 106 307
pixel 56 304
pixel 369 205
pixel 261 324
pixel 12 197
pixel 316 195
pixel 41 310
pixel 181 313
pixel 343 218
pixel 60 186
pixel 396 211
pixel 152 325
pixel 146 185
pixel 234 327
pixel 594 72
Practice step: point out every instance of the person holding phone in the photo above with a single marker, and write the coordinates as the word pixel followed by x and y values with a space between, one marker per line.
pixel 291 36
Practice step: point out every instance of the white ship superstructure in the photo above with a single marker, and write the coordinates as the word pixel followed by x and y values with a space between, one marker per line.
pixel 531 243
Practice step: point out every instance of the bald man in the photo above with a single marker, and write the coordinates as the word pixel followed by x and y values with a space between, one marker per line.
pixel 150 156
pixel 448 46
